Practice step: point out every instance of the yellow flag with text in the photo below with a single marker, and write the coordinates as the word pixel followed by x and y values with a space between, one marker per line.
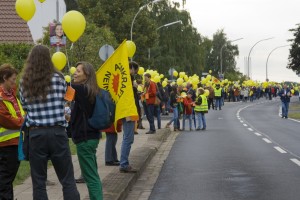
pixel 215 80
pixel 114 76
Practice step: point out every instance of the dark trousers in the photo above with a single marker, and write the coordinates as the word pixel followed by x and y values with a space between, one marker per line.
pixel 51 143
pixel 9 165
pixel 110 147
pixel 150 116
pixel 211 103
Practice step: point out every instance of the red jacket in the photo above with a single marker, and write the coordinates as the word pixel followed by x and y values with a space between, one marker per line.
pixel 112 129
pixel 187 102
pixel 151 90
pixel 7 121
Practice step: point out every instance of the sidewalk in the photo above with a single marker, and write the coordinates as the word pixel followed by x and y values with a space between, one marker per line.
pixel 115 184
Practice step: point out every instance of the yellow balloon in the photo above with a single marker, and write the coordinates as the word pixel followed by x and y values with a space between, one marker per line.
pixel 67 78
pixel 164 83
pixel 59 60
pixel 175 73
pixel 42 1
pixel 210 71
pixel 179 81
pixel 72 70
pixel 131 48
pixel 141 70
pixel 206 92
pixel 73 24
pixel 156 79
pixel 25 9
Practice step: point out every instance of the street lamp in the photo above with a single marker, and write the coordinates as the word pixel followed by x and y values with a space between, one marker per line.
pixel 268 59
pixel 221 58
pixel 140 9
pixel 250 53
pixel 169 24
pixel 165 25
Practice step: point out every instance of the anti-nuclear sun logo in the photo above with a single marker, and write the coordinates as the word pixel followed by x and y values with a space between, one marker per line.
pixel 116 80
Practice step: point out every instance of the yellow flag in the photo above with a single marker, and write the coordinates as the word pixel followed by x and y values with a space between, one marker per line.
pixel 114 76
pixel 215 80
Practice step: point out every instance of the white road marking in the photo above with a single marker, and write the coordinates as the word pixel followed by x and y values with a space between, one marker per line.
pixel 245 124
pixel 258 134
pixel 250 129
pixel 296 161
pixel 279 149
pixel 241 121
pixel 266 140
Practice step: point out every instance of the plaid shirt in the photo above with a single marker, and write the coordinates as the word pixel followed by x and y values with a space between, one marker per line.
pixel 51 112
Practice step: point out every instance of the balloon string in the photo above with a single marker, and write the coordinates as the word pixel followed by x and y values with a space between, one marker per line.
pixel 71 46
pixel 69 62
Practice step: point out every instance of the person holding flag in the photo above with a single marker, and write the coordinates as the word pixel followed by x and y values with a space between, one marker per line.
pixel 116 76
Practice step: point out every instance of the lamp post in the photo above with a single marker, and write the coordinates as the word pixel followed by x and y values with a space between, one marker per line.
pixel 169 24
pixel 140 9
pixel 268 59
pixel 221 58
pixel 165 25
pixel 248 62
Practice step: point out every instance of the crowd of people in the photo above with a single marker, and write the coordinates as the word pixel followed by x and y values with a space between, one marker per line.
pixel 50 119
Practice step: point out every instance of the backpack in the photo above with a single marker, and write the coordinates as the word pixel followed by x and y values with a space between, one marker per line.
pixel 104 111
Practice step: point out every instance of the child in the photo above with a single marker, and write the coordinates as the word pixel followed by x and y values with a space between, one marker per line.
pixel 187 111
pixel 200 109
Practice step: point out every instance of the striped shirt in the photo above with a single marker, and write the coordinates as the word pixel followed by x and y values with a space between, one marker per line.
pixel 50 112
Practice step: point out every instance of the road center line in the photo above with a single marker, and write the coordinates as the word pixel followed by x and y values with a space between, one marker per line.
pixel 245 124
pixel 266 140
pixel 241 121
pixel 250 129
pixel 296 161
pixel 258 134
pixel 279 149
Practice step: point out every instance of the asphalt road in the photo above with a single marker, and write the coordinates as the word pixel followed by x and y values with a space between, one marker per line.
pixel 248 152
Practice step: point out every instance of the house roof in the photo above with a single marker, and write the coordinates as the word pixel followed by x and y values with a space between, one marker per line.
pixel 13 28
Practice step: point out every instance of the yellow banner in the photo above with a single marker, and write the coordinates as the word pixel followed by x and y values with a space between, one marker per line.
pixel 215 80
pixel 114 76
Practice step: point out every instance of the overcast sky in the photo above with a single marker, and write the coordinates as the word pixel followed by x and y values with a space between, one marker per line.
pixel 252 20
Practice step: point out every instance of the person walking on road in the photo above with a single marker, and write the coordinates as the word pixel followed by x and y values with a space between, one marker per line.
pixel 285 96
pixel 44 104
pixel 201 109
pixel 11 119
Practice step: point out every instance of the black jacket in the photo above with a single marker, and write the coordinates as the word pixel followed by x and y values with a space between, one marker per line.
pixel 81 112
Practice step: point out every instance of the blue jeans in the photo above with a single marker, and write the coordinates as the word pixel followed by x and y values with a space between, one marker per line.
pixel 218 103
pixel 175 117
pixel 150 117
pixel 203 120
pixel 189 117
pixel 110 147
pixel 285 108
pixel 128 138
pixel 199 119
pixel 157 108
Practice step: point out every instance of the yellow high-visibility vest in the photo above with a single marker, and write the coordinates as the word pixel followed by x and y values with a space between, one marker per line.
pixel 7 134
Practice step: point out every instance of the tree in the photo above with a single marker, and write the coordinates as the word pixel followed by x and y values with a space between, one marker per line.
pixel 294 57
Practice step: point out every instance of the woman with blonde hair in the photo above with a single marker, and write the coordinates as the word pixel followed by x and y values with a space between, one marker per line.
pixel 11 119
pixel 44 104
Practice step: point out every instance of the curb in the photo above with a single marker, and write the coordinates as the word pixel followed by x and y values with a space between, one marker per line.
pixel 116 185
